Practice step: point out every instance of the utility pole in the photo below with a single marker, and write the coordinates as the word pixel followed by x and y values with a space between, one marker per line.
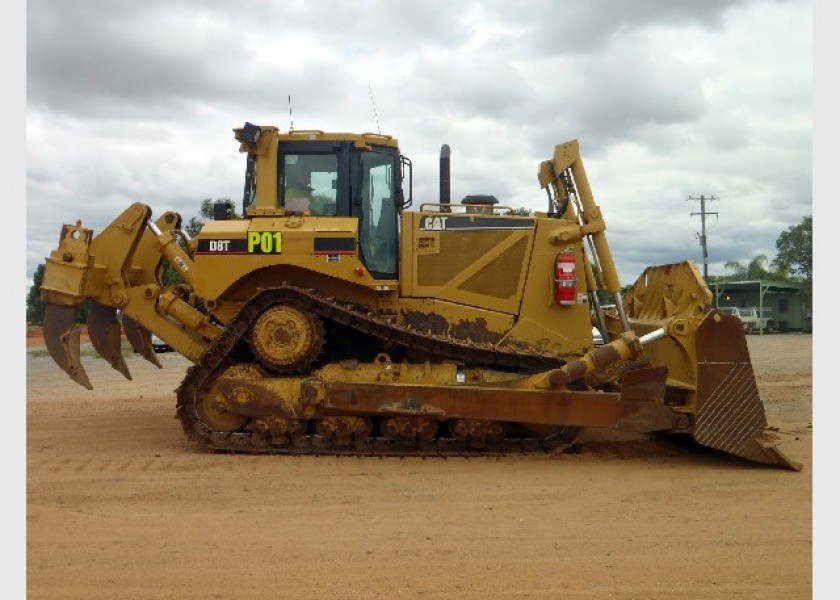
pixel 702 235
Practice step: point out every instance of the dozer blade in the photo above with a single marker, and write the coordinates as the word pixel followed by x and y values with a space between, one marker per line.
pixel 730 415
pixel 62 337
pixel 140 339
pixel 106 335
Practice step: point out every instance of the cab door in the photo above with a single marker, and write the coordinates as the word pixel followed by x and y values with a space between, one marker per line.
pixel 375 203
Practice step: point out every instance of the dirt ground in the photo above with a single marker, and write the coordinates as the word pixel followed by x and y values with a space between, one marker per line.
pixel 119 505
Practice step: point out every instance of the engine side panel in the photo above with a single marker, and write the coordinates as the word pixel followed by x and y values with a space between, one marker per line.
pixel 472 259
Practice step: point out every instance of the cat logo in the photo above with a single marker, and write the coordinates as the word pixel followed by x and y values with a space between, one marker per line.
pixel 434 223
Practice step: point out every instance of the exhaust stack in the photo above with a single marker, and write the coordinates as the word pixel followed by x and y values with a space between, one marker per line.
pixel 445 154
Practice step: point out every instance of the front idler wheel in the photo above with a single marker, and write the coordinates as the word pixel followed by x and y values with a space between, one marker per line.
pixel 214 411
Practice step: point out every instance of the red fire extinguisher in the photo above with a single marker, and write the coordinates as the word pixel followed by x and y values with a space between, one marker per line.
pixel 565 279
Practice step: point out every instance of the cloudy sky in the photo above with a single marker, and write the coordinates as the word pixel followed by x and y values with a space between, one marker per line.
pixel 670 99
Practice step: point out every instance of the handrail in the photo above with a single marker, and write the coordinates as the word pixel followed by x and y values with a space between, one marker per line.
pixel 482 206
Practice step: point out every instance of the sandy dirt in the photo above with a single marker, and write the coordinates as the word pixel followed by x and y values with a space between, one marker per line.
pixel 120 505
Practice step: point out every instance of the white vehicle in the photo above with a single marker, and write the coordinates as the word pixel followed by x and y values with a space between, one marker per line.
pixel 753 322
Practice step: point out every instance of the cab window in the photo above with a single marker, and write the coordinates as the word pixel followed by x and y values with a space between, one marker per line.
pixel 378 227
pixel 309 182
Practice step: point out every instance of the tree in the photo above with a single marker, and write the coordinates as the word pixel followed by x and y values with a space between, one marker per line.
pixel 604 295
pixel 193 227
pixel 34 304
pixel 793 262
pixel 753 270
pixel 795 250
pixel 205 212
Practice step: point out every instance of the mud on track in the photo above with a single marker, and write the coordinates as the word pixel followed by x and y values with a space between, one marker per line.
pixel 119 505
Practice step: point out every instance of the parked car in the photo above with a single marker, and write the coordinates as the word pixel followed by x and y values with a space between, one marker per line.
pixel 158 345
pixel 752 321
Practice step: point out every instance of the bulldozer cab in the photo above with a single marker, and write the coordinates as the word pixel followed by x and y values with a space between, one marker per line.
pixel 330 175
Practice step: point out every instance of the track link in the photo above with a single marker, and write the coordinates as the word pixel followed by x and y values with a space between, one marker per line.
pixel 225 351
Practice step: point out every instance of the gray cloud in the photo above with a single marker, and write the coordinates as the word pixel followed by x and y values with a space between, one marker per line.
pixel 136 101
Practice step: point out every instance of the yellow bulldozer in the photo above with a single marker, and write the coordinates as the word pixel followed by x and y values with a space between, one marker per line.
pixel 331 319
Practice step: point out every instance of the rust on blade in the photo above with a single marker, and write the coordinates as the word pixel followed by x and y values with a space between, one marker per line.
pixel 106 335
pixel 140 339
pixel 62 338
pixel 644 390
pixel 730 415
pixel 539 407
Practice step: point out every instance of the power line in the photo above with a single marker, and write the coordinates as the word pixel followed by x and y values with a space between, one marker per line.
pixel 702 236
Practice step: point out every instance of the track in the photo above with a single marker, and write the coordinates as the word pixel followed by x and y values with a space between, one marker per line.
pixel 230 348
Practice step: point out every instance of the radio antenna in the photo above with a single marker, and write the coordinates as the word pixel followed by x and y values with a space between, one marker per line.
pixel 375 116
pixel 291 120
